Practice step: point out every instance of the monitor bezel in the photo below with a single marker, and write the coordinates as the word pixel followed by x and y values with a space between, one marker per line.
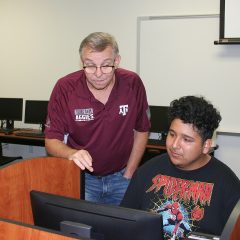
pixel 14 111
pixel 14 101
pixel 30 109
pixel 159 125
pixel 108 220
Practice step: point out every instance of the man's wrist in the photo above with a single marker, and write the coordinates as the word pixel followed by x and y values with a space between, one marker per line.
pixel 71 152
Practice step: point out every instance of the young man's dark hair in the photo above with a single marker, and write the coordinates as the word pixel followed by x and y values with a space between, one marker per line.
pixel 198 111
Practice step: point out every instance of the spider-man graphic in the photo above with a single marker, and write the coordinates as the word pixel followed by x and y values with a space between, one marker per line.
pixel 175 218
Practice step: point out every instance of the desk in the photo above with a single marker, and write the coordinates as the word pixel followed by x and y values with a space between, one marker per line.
pixel 158 148
pixel 12 138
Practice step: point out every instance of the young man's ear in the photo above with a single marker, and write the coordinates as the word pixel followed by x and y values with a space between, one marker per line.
pixel 207 146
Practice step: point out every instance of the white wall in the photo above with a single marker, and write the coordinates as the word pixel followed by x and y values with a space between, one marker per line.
pixel 228 152
pixel 40 39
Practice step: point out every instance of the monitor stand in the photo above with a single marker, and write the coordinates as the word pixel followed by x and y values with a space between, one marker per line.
pixel 10 124
pixel 42 126
pixel 76 229
pixel 7 126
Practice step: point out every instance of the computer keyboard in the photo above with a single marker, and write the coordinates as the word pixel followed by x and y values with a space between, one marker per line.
pixel 30 134
pixel 6 130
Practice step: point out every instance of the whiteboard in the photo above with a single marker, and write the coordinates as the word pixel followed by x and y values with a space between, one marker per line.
pixel 176 56
pixel 232 19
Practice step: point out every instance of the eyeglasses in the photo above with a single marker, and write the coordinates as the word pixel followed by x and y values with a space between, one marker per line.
pixel 104 69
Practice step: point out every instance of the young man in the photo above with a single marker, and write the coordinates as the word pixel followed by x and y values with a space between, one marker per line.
pixel 190 188
pixel 98 118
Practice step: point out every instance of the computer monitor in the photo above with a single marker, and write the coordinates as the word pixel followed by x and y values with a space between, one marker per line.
pixel 10 111
pixel 36 112
pixel 159 119
pixel 108 222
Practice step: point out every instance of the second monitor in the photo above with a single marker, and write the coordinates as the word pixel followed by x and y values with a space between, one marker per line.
pixel 10 111
pixel 159 119
pixel 36 112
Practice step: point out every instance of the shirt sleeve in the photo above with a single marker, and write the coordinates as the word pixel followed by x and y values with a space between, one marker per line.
pixel 55 125
pixel 143 117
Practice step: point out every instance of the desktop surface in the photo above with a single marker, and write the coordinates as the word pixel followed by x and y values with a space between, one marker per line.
pixel 34 134
pixel 22 140
pixel 6 130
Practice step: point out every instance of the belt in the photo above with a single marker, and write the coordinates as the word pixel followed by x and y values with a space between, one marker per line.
pixel 101 176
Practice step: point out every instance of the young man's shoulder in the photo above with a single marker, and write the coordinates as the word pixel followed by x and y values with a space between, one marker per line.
pixel 221 167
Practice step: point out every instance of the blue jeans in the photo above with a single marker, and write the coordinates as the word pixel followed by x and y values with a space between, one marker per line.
pixel 108 189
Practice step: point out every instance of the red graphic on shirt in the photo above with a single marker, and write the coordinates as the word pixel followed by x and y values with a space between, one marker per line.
pixel 183 190
pixel 181 203
pixel 197 213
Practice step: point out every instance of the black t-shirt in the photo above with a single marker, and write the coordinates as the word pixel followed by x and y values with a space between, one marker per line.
pixel 198 200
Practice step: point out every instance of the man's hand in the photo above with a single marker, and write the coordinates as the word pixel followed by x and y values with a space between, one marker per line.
pixel 83 159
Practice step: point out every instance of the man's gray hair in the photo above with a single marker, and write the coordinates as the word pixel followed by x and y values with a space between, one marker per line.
pixel 98 41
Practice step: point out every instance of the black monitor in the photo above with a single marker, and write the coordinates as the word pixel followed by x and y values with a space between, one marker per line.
pixel 36 112
pixel 10 111
pixel 159 119
pixel 108 222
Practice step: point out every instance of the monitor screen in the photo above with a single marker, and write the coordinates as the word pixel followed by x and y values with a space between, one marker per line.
pixel 35 111
pixel 108 222
pixel 11 110
pixel 159 119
